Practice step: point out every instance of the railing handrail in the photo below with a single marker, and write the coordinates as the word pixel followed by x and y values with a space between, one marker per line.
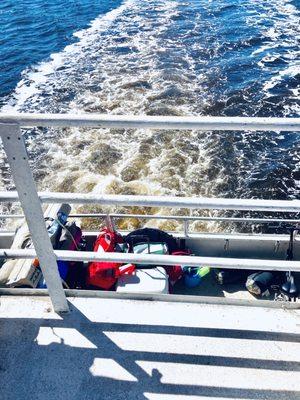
pixel 155 259
pixel 162 201
pixel 182 218
pixel 158 122
pixel 15 148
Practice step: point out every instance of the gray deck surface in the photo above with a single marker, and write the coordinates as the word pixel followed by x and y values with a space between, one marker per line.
pixel 124 349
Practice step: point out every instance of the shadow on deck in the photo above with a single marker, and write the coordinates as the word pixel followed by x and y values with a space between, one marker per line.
pixel 73 357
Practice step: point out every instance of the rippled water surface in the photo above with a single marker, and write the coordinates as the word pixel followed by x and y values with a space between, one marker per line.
pixel 153 57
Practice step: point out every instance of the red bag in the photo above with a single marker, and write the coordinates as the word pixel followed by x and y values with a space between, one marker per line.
pixel 104 274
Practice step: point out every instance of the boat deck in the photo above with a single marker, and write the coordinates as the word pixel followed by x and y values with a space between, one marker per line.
pixel 117 349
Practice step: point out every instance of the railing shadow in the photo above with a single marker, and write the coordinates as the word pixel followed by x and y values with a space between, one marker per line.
pixel 58 370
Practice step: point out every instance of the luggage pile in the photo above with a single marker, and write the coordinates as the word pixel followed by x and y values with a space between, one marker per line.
pixel 66 235
pixel 129 278
pixel 135 278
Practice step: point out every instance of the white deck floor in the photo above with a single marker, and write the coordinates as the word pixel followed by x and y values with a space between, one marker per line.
pixel 124 349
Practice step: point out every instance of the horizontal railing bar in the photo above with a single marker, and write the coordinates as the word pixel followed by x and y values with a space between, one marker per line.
pixel 163 201
pixel 172 217
pixel 154 259
pixel 196 234
pixel 170 298
pixel 11 216
pixel 157 122
pixel 188 218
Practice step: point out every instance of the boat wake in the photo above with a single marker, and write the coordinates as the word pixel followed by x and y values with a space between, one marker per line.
pixel 170 58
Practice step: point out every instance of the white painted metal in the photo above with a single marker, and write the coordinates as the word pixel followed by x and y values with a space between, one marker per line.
pixel 186 227
pixel 163 201
pixel 15 149
pixel 173 201
pixel 8 196
pixel 157 122
pixel 154 259
pixel 11 216
pixel 173 217
pixel 174 298
pixel 190 218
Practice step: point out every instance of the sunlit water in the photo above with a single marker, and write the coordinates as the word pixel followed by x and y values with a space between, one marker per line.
pixel 200 57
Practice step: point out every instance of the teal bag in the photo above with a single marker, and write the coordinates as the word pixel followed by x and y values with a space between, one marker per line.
pixel 149 248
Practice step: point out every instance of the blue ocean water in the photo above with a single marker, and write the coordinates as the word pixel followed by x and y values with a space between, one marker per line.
pixel 31 30
pixel 155 57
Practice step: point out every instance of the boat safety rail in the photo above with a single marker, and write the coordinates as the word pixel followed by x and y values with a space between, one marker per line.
pixel 172 202
pixel 291 206
pixel 204 123
pixel 155 259
pixel 31 201
pixel 184 219
pixel 164 216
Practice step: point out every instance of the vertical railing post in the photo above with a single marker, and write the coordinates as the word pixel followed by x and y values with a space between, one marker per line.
pixel 186 224
pixel 14 146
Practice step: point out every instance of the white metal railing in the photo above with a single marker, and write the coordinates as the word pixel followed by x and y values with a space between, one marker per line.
pixel 182 218
pixel 153 259
pixel 14 146
pixel 157 122
pixel 162 201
